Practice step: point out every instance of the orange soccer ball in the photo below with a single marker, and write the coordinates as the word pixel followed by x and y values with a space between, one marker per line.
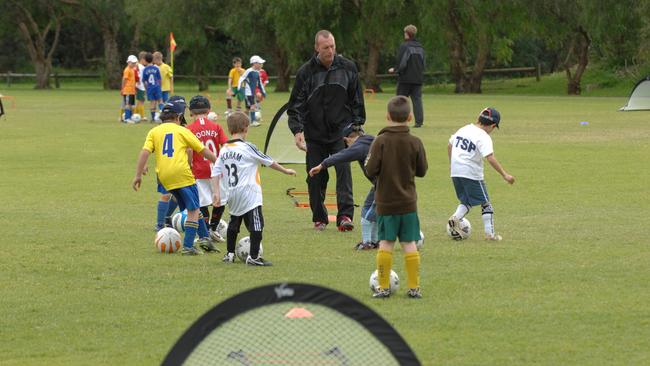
pixel 168 240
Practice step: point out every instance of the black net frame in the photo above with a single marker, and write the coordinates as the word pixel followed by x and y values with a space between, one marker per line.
pixel 294 293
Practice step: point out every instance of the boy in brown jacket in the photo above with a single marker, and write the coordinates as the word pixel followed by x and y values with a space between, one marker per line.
pixel 396 157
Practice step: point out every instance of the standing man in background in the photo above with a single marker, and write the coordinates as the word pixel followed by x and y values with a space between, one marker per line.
pixel 326 97
pixel 409 66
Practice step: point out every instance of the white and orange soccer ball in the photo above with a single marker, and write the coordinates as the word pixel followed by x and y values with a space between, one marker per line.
pixel 168 240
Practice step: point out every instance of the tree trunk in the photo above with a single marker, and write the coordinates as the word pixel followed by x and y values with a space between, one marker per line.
pixel 456 44
pixel 581 48
pixel 282 69
pixel 370 76
pixel 480 62
pixel 113 77
pixel 43 70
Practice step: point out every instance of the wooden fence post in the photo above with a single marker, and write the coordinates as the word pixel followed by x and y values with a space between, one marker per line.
pixel 538 76
pixel 8 79
pixel 56 80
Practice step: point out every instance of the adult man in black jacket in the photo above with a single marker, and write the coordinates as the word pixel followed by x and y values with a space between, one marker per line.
pixel 410 70
pixel 325 98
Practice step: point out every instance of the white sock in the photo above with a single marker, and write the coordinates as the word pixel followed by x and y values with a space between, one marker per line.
pixel 461 211
pixel 488 224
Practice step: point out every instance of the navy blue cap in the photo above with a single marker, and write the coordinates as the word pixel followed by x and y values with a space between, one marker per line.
pixel 489 116
pixel 351 127
pixel 175 104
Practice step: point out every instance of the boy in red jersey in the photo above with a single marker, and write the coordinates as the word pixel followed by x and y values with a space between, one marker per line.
pixel 212 136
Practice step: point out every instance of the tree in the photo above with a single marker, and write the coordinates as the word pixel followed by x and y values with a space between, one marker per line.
pixel 39 22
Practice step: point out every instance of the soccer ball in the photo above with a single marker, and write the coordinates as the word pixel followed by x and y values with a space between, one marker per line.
pixel 465 230
pixel 258 116
pixel 136 118
pixel 178 221
pixel 212 116
pixel 420 242
pixel 374 281
pixel 222 228
pixel 243 248
pixel 168 240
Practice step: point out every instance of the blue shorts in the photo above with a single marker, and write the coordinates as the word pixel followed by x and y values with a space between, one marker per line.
pixel 165 96
pixel 187 197
pixel 250 101
pixel 162 189
pixel 470 192
pixel 154 93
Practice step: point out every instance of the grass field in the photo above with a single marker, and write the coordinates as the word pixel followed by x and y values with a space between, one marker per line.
pixel 570 285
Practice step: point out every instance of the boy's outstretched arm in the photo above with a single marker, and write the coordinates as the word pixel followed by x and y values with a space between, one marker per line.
pixel 209 155
pixel 495 164
pixel 280 168
pixel 140 169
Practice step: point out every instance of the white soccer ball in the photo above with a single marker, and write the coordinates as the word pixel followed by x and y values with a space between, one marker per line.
pixel 420 242
pixel 178 221
pixel 168 240
pixel 258 116
pixel 212 116
pixel 222 228
pixel 136 118
pixel 243 248
pixel 374 281
pixel 464 232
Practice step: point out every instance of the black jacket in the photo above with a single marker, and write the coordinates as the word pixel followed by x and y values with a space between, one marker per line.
pixel 324 100
pixel 410 62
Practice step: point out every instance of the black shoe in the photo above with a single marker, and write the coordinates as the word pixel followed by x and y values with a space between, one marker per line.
pixel 259 261
pixel 414 293
pixel 418 125
pixel 381 294
pixel 207 246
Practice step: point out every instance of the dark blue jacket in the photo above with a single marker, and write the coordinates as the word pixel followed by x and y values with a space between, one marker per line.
pixel 357 151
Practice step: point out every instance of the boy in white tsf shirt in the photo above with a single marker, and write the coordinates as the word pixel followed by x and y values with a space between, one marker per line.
pixel 238 164
pixel 466 150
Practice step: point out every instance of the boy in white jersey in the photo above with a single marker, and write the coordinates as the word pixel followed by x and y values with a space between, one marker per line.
pixel 238 164
pixel 466 150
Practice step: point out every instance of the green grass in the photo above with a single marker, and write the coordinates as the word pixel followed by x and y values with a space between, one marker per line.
pixel 83 284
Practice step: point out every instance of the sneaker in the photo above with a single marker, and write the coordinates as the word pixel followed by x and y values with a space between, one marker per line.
pixel 365 246
pixel 454 224
pixel 418 125
pixel 495 237
pixel 255 124
pixel 215 236
pixel 319 225
pixel 190 251
pixel 206 245
pixel 345 224
pixel 229 258
pixel 381 294
pixel 414 293
pixel 259 261
pixel 129 121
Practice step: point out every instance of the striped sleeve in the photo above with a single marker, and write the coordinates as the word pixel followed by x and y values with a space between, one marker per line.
pixel 259 156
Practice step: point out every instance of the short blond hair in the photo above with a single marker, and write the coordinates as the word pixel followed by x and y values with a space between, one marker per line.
pixel 322 33
pixel 399 109
pixel 411 30
pixel 158 55
pixel 237 122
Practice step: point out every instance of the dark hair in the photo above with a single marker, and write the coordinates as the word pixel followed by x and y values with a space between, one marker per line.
pixel 148 57
pixel 167 116
pixel 237 122
pixel 236 59
pixel 399 109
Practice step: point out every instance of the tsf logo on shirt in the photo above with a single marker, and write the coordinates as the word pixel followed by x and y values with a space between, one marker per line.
pixel 465 144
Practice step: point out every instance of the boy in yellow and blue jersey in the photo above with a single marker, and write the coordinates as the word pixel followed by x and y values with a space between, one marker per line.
pixel 169 143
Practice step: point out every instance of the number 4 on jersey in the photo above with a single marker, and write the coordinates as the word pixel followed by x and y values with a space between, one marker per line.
pixel 168 145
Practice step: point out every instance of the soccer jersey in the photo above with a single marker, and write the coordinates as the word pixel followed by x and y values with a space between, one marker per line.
pixel 238 164
pixel 212 137
pixel 140 83
pixel 151 76
pixel 129 81
pixel 169 143
pixel 469 146
pixel 251 78
pixel 234 74
pixel 166 74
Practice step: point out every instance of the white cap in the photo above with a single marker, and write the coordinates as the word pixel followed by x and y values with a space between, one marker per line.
pixel 257 60
pixel 132 58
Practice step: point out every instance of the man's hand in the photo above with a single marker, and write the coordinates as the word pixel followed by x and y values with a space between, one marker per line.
pixel 315 170
pixel 300 141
